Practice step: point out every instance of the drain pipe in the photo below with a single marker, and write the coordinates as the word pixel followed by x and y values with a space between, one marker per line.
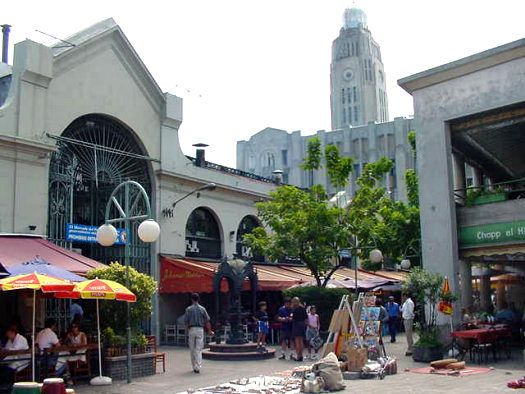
pixel 5 41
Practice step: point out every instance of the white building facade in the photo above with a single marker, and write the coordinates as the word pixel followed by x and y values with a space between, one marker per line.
pixel 75 121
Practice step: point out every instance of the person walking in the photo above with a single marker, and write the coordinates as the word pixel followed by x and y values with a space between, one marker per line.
pixel 285 334
pixel 393 313
pixel 408 321
pixel 299 320
pixel 196 319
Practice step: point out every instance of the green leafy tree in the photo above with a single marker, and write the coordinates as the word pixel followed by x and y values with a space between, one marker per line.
pixel 113 313
pixel 303 226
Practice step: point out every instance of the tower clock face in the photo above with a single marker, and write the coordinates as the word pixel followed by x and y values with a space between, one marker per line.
pixel 348 74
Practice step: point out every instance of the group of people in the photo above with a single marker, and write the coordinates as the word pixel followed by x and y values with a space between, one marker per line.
pixel 47 338
pixel 299 325
pixel 393 314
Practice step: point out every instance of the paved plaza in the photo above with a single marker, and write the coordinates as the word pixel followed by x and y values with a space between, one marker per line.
pixel 180 377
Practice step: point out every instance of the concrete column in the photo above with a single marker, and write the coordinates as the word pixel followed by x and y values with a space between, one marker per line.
pixel 465 277
pixel 501 295
pixel 477 177
pixel 484 294
pixel 458 167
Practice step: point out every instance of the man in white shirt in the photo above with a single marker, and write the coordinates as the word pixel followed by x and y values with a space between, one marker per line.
pixel 407 310
pixel 46 339
pixel 15 341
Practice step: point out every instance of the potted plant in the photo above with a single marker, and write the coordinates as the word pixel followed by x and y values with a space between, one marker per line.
pixel 485 196
pixel 426 291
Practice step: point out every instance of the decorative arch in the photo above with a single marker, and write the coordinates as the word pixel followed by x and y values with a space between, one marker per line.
pixel 95 154
pixel 203 234
pixel 246 226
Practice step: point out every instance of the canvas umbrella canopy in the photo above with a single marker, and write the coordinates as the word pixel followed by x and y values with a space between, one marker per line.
pixel 100 289
pixel 42 266
pixel 445 306
pixel 35 281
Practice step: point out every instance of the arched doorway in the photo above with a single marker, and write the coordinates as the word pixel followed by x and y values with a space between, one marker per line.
pixel 203 235
pixel 246 226
pixel 95 153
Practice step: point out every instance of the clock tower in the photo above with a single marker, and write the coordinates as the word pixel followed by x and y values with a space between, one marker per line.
pixel 357 77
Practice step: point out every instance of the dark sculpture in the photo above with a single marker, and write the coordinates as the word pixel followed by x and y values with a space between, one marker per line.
pixel 235 272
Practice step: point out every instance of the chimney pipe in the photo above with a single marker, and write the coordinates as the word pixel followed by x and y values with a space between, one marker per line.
pixel 200 159
pixel 5 42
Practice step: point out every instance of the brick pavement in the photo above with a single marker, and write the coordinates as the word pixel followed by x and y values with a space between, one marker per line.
pixel 179 376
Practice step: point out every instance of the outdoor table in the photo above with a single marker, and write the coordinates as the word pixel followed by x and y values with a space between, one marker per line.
pixel 66 353
pixel 476 335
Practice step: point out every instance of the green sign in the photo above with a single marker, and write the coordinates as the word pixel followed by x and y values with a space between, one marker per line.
pixel 492 234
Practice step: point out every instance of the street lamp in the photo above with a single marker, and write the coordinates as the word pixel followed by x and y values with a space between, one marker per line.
pixel 375 256
pixel 405 264
pixel 208 186
pixel 148 231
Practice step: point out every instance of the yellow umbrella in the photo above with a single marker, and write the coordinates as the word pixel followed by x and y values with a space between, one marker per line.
pixel 100 289
pixel 35 281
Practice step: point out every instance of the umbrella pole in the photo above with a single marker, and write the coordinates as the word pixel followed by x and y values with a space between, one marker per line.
pixel 99 347
pixel 33 338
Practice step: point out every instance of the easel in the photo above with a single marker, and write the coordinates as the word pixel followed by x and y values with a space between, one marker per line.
pixel 337 327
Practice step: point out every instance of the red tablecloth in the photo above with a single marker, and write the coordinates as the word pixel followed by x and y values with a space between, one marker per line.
pixel 478 332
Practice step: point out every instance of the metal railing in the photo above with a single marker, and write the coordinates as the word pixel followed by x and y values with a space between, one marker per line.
pixel 233 171
pixel 514 189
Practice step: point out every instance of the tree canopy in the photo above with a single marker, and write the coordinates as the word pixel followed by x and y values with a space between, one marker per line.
pixel 306 226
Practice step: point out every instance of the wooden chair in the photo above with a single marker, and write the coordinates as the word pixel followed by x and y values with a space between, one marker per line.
pixel 159 356
pixel 80 369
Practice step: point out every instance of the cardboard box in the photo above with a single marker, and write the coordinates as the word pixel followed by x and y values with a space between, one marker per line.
pixel 356 358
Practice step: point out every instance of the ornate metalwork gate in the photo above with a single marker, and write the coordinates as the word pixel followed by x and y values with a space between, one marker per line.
pixel 95 154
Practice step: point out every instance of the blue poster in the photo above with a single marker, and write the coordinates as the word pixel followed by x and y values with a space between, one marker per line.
pixel 88 234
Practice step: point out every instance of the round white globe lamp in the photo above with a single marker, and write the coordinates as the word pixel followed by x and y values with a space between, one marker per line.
pixel 149 230
pixel 107 235
pixel 405 264
pixel 376 256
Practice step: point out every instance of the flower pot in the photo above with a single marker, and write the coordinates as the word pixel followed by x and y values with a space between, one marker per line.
pixel 490 197
pixel 427 354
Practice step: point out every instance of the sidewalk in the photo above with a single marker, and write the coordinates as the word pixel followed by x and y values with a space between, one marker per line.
pixel 179 376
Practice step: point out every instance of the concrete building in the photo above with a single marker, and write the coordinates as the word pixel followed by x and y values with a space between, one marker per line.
pixel 273 149
pixel 359 110
pixel 470 115
pixel 357 76
pixel 77 120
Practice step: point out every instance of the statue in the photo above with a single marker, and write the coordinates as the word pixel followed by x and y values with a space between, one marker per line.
pixel 235 272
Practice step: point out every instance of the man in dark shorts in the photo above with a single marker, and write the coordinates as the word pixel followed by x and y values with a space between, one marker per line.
pixel 299 318
pixel 283 317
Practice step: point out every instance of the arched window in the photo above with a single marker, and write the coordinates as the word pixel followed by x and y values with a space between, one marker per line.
pixel 246 226
pixel 203 237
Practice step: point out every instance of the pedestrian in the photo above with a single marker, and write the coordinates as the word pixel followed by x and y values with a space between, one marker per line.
pixel 299 319
pixel 76 312
pixel 196 319
pixel 393 313
pixel 263 327
pixel 383 314
pixel 312 330
pixel 285 334
pixel 408 321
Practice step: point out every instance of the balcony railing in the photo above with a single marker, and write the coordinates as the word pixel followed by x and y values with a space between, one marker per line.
pixel 233 171
pixel 496 192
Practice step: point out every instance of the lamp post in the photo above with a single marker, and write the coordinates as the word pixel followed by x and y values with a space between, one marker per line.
pixel 375 256
pixel 208 186
pixel 148 231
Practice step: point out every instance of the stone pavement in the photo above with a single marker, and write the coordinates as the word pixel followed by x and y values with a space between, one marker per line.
pixel 179 376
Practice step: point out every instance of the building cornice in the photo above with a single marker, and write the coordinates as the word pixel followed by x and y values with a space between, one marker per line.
pixel 489 58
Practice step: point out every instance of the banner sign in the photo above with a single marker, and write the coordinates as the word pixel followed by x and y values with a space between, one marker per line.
pixel 492 234
pixel 88 234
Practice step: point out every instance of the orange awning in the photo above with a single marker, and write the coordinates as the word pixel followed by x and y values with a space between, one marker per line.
pixel 182 275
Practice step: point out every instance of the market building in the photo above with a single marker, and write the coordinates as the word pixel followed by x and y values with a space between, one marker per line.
pixel 359 119
pixel 77 119
pixel 470 119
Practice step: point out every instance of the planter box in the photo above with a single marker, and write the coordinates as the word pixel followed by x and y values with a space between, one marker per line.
pixel 491 197
pixel 141 365
pixel 427 354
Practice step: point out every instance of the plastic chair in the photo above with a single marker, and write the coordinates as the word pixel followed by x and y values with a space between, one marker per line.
pixel 170 331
